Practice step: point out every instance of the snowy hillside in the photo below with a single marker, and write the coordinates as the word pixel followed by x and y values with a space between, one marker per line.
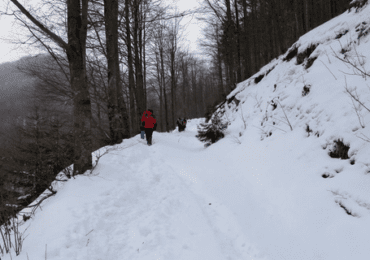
pixel 269 190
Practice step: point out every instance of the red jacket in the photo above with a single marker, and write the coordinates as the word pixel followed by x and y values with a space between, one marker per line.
pixel 148 119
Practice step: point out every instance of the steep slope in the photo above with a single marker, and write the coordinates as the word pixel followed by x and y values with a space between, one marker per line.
pixel 268 190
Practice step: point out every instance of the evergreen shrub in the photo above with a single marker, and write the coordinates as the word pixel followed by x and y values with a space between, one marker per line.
pixel 211 132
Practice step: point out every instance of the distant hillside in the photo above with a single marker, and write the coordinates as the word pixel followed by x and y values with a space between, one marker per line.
pixel 14 89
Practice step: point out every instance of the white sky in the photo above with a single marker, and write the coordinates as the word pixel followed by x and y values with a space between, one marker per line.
pixel 11 52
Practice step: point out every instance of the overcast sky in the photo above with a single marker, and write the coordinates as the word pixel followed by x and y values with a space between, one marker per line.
pixel 9 31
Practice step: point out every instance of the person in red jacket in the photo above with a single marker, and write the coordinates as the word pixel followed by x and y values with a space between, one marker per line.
pixel 150 125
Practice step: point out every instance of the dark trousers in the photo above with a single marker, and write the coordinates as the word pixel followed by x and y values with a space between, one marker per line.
pixel 149 135
pixel 181 128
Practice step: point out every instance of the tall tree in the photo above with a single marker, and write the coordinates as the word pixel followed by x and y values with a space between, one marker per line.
pixel 237 32
pixel 172 56
pixel 194 73
pixel 76 53
pixel 116 106
pixel 131 80
pixel 140 98
pixel 184 65
pixel 163 79
pixel 230 47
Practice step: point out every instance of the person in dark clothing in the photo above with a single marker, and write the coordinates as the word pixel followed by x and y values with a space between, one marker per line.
pixel 142 130
pixel 150 124
pixel 181 123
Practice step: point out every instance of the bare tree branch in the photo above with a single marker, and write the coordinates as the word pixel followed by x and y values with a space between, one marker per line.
pixel 291 128
pixel 46 31
pixel 355 97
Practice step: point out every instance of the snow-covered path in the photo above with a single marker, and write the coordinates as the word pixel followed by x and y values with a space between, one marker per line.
pixel 137 204
pixel 178 200
pixel 267 188
pixel 171 217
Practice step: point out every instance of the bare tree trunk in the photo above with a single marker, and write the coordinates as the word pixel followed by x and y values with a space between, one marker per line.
pixel 221 91
pixel 297 26
pixel 144 60
pixel 194 86
pixel 173 34
pixel 138 67
pixel 160 80
pixel 307 19
pixel 238 67
pixel 131 82
pixel 203 88
pixel 164 89
pixel 173 88
pixel 329 9
pixel 140 34
pixel 280 35
pixel 263 32
pixel 227 74
pixel 98 108
pixel 115 96
pixel 77 29
pixel 253 49
pixel 75 49
pixel 230 49
pixel 184 71
pixel 122 108
pixel 247 43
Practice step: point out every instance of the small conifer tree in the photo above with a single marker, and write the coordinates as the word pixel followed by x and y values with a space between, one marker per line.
pixel 211 132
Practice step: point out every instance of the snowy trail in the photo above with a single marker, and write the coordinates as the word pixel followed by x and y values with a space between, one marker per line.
pixel 135 206
pixel 183 153
pixel 274 201
pixel 178 200
pixel 153 214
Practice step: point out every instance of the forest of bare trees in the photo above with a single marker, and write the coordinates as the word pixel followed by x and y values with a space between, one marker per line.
pixel 244 35
pixel 109 60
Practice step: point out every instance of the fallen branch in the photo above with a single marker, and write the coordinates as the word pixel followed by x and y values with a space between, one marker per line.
pixel 357 113
pixel 263 131
pixel 236 139
pixel 366 139
pixel 89 232
pixel 356 98
pixel 353 103
pixel 362 72
pixel 38 204
pixel 258 102
pixel 291 128
pixel 245 123
pixel 328 69
pixel 280 120
pixel 278 128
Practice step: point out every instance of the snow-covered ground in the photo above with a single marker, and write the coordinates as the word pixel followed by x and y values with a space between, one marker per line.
pixel 252 195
